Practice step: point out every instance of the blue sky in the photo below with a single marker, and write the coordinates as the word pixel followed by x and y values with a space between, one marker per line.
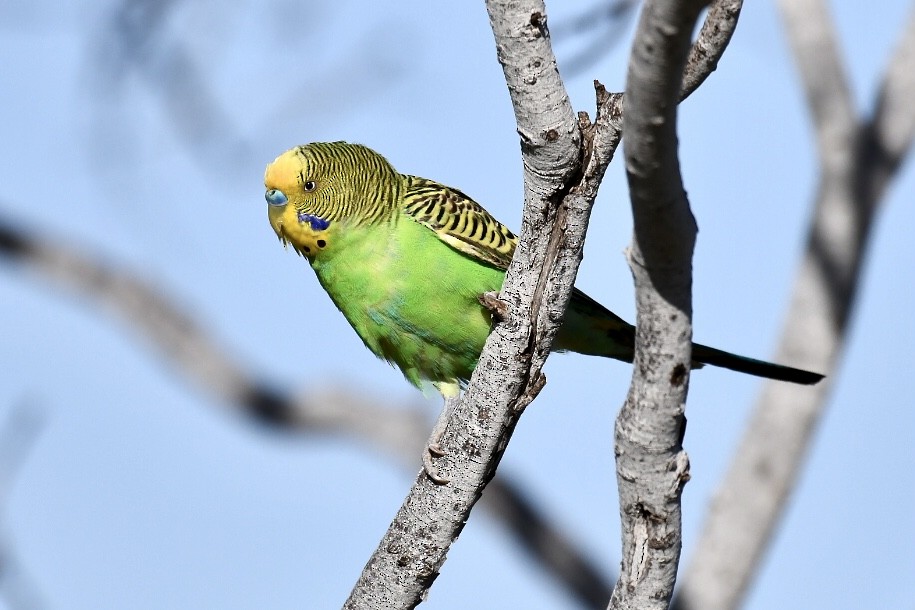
pixel 141 491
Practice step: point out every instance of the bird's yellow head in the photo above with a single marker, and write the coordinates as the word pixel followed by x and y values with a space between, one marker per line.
pixel 313 187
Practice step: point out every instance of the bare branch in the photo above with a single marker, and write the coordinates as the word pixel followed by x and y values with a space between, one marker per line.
pixel 194 353
pixel 651 464
pixel 858 158
pixel 709 46
pixel 713 39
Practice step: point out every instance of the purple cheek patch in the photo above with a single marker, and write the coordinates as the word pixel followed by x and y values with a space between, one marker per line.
pixel 317 223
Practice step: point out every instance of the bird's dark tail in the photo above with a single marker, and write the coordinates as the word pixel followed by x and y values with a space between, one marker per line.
pixel 591 328
pixel 716 357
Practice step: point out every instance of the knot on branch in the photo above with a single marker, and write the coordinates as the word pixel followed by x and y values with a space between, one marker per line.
pixel 538 27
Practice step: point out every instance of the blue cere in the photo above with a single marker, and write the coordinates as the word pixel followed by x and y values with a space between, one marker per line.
pixel 276 197
pixel 317 223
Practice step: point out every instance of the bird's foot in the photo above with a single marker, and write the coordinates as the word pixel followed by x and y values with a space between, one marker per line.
pixel 496 306
pixel 433 447
pixel 433 450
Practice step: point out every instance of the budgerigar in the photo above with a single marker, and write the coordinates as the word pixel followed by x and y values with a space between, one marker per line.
pixel 407 259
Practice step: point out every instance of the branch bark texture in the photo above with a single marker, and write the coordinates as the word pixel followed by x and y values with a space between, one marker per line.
pixel 651 464
pixel 858 155
pixel 713 39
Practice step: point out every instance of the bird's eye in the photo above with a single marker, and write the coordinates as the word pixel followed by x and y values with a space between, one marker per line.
pixel 275 197
pixel 310 186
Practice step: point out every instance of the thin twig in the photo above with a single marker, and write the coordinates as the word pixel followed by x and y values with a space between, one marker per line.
pixel 708 48
pixel 713 39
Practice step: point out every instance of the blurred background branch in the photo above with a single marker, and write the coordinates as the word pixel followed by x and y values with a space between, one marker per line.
pixel 593 33
pixel 859 155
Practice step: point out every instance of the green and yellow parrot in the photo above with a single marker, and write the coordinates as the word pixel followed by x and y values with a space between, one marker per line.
pixel 407 259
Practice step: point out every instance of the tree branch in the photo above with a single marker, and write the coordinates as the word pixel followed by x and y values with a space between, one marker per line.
pixel 713 39
pixel 651 464
pixel 857 160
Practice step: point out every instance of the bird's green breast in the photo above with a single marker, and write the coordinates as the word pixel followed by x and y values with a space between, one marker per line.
pixel 411 298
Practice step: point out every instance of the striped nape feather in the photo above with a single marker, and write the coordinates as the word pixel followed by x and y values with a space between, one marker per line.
pixel 349 180
pixel 459 221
